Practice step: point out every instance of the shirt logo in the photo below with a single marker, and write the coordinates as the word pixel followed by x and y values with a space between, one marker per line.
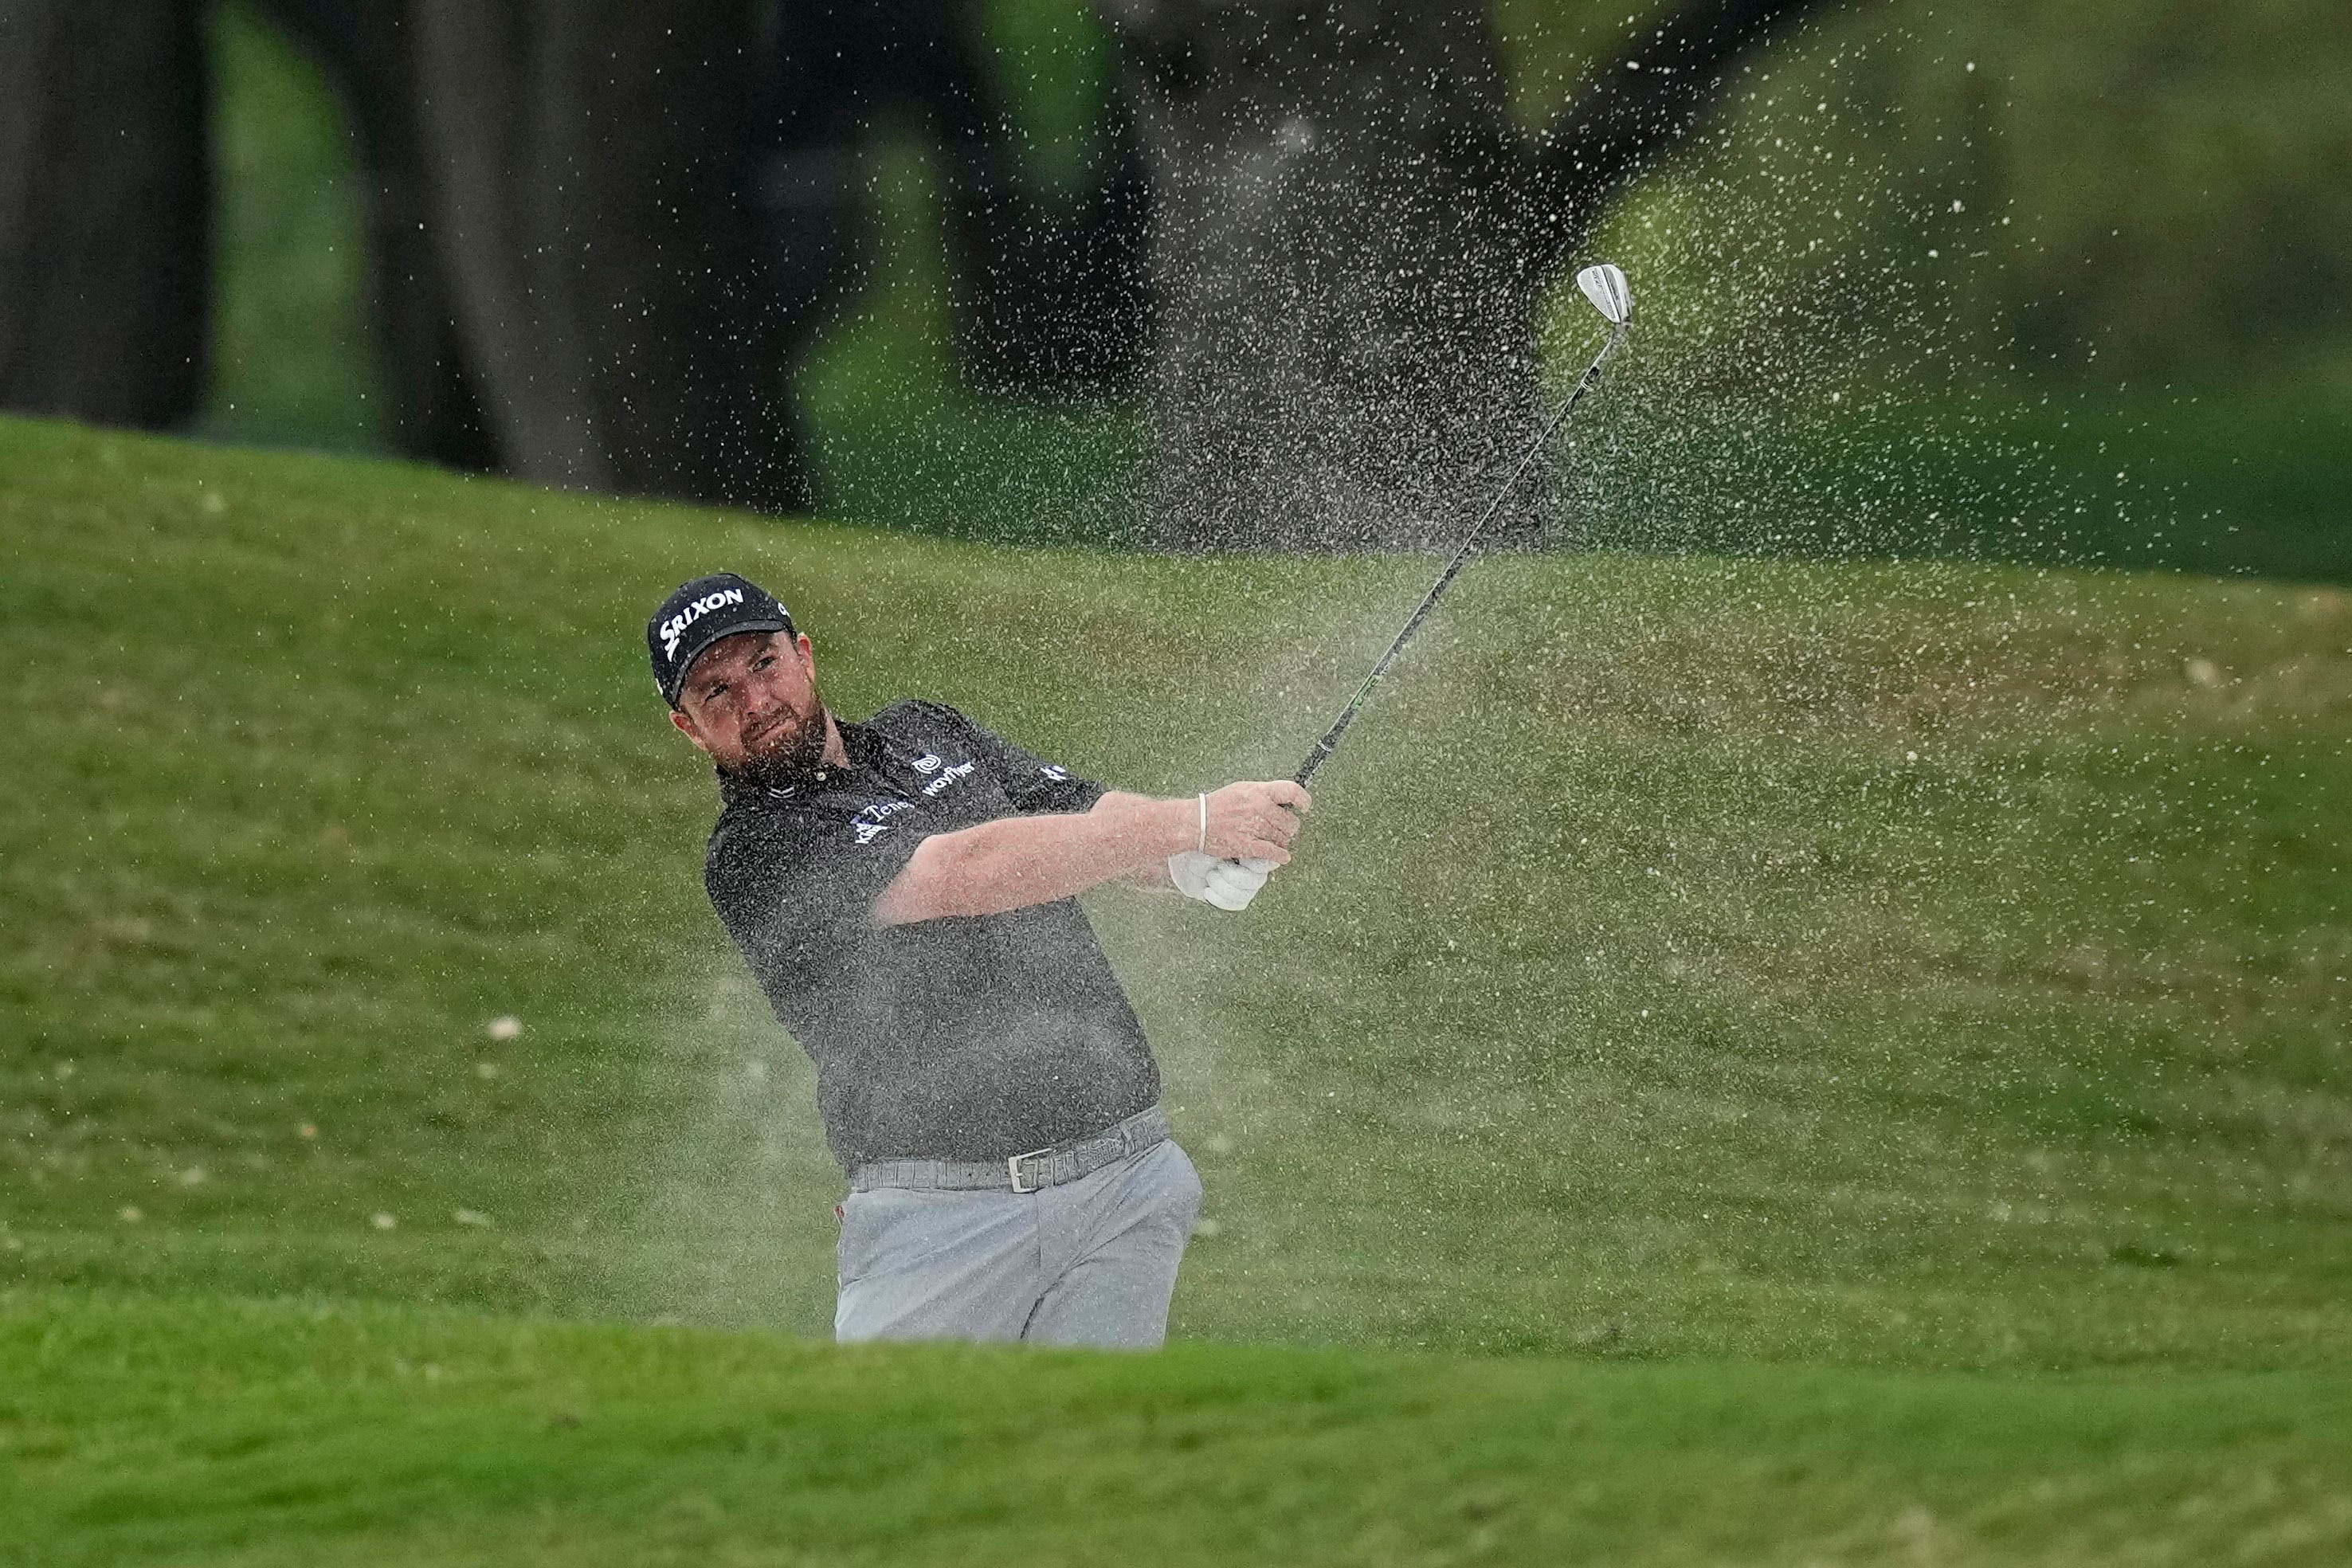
pixel 868 824
pixel 926 763
pixel 1057 773
pixel 955 770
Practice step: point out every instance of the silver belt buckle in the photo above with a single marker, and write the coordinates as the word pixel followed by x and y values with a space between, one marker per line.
pixel 1013 1167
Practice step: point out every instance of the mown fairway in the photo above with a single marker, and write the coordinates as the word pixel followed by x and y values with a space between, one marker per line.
pixel 198 1431
pixel 1929 978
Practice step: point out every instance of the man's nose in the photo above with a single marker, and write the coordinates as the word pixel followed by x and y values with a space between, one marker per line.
pixel 763 703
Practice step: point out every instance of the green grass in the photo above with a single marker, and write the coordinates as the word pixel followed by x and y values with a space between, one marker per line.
pixel 207 1431
pixel 2224 482
pixel 1709 991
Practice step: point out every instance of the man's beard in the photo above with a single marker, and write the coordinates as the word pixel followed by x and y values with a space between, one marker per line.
pixel 796 754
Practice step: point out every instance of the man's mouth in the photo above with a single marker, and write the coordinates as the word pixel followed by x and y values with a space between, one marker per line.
pixel 784 745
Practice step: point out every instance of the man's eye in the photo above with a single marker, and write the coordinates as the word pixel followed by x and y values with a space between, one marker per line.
pixel 764 662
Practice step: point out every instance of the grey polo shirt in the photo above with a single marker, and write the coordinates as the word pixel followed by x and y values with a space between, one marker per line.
pixel 956 1039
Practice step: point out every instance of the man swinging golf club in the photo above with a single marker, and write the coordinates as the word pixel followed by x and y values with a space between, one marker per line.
pixel 904 889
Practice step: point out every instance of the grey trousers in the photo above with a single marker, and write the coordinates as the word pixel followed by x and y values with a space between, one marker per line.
pixel 1089 1262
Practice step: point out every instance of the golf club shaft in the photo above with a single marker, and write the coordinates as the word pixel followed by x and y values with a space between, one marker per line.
pixel 1330 740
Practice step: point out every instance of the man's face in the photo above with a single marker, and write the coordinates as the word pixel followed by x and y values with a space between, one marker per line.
pixel 750 702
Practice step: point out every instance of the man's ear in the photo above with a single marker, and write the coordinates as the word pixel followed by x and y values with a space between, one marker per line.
pixel 686 728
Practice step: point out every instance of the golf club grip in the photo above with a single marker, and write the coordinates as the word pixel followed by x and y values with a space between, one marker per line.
pixel 1330 740
pixel 1323 748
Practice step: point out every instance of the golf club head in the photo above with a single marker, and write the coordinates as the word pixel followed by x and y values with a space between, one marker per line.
pixel 1604 284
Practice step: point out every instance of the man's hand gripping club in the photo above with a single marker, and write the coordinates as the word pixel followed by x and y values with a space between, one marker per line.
pixel 1246 833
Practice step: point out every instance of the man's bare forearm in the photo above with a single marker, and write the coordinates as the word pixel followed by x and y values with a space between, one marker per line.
pixel 1015 861
pixel 1152 870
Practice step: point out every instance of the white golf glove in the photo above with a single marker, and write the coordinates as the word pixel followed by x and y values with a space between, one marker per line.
pixel 1228 884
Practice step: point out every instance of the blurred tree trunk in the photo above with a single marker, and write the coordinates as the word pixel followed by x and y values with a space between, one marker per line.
pixel 1350 242
pixel 1054 294
pixel 1055 298
pixel 609 287
pixel 104 210
pixel 1339 267
pixel 1049 294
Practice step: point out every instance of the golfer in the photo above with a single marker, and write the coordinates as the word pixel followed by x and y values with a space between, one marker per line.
pixel 905 891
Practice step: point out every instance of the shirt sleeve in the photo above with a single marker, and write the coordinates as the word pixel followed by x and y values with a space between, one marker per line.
pixel 796 895
pixel 1033 785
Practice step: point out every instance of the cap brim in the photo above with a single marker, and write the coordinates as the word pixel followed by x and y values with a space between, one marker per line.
pixel 720 635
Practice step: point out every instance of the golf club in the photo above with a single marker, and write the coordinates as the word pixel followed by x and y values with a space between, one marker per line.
pixel 1604 284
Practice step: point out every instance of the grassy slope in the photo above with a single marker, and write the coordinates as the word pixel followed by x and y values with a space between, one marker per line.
pixel 1932 967
pixel 222 1432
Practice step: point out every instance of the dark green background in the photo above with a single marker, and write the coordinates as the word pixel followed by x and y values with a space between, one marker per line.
pixel 2128 344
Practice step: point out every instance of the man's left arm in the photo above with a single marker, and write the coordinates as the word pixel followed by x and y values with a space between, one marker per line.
pixel 955 874
pixel 1037 786
pixel 1011 862
pixel 1157 876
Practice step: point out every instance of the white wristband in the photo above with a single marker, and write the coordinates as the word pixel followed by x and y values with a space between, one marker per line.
pixel 1204 844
